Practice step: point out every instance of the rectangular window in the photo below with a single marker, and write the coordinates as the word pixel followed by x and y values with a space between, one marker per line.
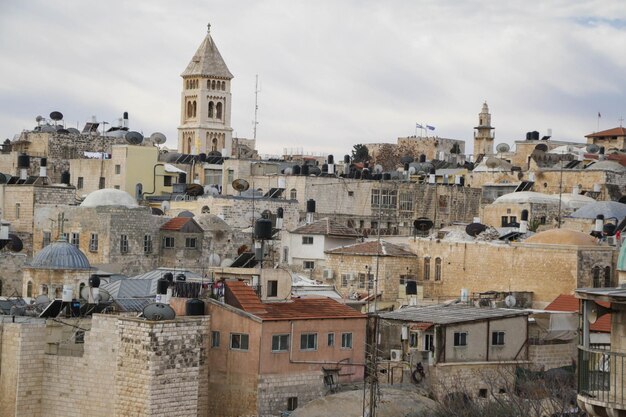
pixel 388 198
pixel 443 203
pixel 346 340
pixel 190 243
pixel 426 269
pixel 344 279
pixel 460 338
pixel 118 169
pixel 331 339
pixel 215 339
pixel 239 341
pixel 307 240
pixel 429 340
pixel 513 219
pixel 280 343
pixel 79 336
pixel 504 221
pixel 231 176
pixel 117 187
pixel 413 339
pixel 123 244
pixel 17 210
pixel 292 403
pixel 366 281
pixel 406 202
pixel 147 244
pixel 93 242
pixel 375 198
pixel 272 288
pixel 46 239
pixel 80 183
pixel 167 181
pixel 102 183
pixel 75 239
pixel 308 341
pixel 168 242
pixel 497 338
pixel 308 265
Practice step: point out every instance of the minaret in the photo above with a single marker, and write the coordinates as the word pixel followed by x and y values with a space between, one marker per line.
pixel 483 137
pixel 205 103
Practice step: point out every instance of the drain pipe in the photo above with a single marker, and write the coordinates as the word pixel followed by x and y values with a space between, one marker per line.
pixel 154 179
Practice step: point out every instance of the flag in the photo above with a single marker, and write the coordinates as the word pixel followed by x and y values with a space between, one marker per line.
pixel 599 115
pixel 430 127
pixel 418 126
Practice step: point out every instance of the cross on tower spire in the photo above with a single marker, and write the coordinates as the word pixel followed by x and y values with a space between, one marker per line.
pixel 620 120
pixel 208 28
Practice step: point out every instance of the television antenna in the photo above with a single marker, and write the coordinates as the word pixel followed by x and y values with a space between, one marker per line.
pixel 257 90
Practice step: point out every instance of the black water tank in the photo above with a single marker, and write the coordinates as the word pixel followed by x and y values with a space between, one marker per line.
pixel 263 229
pixel 305 169
pixel 411 288
pixel 346 159
pixel 75 307
pixel 280 212
pixel 310 206
pixel 169 276
pixel 182 178
pixel 365 174
pixel 202 157
pixel 23 161
pixel 296 170
pixel 325 169
pixel 331 159
pixel 386 176
pixel 43 162
pixel 406 166
pixel 601 151
pixel 194 307
pixel 357 175
pixel 162 285
pixel 462 181
pixel 422 158
pixel 529 135
pixel 94 281
pixel 535 135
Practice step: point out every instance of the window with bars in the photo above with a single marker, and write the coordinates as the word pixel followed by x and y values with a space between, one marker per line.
pixel 307 240
pixel 147 244
pixel 191 243
pixel 47 236
pixel 123 243
pixel 406 202
pixel 344 279
pixel 93 242
pixel 75 239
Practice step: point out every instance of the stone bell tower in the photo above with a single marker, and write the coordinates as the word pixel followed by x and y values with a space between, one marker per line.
pixel 483 136
pixel 206 103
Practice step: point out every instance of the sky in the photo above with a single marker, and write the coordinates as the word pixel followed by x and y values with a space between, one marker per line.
pixel 332 73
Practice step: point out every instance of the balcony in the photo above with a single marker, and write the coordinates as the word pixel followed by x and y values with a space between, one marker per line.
pixel 601 381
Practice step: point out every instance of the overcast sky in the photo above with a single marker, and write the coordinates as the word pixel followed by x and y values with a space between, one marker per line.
pixel 333 73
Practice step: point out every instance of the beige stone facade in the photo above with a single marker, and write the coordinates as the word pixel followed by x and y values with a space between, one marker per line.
pixel 431 147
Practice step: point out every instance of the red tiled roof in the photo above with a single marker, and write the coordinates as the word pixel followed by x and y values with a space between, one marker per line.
pixel 176 223
pixel 567 302
pixel 241 295
pixel 327 227
pixel 372 248
pixel 616 131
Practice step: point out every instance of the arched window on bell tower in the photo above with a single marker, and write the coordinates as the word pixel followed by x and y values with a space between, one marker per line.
pixel 189 109
pixel 211 107
pixel 214 144
pixel 213 85
pixel 188 145
pixel 218 110
pixel 194 108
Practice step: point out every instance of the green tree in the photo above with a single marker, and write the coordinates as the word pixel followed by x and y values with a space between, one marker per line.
pixel 360 153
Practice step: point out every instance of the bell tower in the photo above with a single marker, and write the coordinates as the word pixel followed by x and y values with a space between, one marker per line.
pixel 483 136
pixel 206 103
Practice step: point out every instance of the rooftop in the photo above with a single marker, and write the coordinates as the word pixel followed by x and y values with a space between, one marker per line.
pixel 616 131
pixel 327 227
pixel 372 248
pixel 450 314
pixel 568 302
pixel 562 237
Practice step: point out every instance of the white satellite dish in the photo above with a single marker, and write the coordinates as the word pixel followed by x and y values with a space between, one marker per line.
pixel 503 147
pixel 226 262
pixel 165 205
pixel 214 259
pixel 510 301
pixel 158 138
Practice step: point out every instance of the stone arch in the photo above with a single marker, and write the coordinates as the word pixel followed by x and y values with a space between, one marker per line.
pixel 29 289
pixel 211 109
pixel 189 109
pixel 194 108
pixel 218 110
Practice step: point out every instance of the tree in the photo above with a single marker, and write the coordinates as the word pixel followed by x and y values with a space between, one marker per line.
pixel 360 153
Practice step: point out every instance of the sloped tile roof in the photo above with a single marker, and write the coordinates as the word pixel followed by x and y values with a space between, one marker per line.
pixel 179 223
pixel 327 227
pixel 241 295
pixel 567 302
pixel 207 62
pixel 616 131
pixel 372 248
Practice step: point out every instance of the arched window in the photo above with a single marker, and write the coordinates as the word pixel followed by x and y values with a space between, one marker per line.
pixel 213 85
pixel 293 194
pixel 214 144
pixel 0 287
pixel 607 277
pixel 223 85
pixel 29 289
pixel 208 84
pixel 187 84
pixel 188 145
pixel 80 289
pixel 218 110
pixel 437 269
pixel 189 109
pixel 596 277
pixel 194 108
pixel 211 107
pixel 57 292
pixel 426 269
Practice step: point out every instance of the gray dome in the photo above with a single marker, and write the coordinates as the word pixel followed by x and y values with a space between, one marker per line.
pixel 60 255
pixel 109 197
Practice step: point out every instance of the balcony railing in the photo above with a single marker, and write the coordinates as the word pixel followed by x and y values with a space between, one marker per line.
pixel 601 376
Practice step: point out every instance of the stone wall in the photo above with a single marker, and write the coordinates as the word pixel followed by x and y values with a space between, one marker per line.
pixel 548 356
pixel 11 265
pixel 275 390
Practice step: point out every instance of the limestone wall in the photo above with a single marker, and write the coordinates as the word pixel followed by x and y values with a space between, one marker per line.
pixel 275 390
pixel 548 356
pixel 11 265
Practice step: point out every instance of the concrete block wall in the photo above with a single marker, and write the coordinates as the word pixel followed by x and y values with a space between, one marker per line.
pixel 275 390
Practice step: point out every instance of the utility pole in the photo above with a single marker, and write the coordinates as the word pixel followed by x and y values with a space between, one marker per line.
pixel 370 386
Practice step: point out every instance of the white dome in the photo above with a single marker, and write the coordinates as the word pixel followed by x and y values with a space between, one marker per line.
pixel 574 201
pixel 109 197
pixel 522 197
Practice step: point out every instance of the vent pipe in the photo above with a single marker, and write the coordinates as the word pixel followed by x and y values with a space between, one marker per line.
pixel 279 218
pixel 523 224
pixel 43 168
pixel 310 211
pixel 125 120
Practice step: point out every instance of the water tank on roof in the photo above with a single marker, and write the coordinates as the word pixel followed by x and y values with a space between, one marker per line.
pixel 422 158
pixel 534 135
pixel 23 161
pixel 346 159
pixel 169 276
pixel 324 168
pixel 331 159
pixel 296 170
pixel 263 229
pixel 386 176
pixel 94 281
pixel 194 307
pixel 529 136
pixel 162 285
pixel 304 170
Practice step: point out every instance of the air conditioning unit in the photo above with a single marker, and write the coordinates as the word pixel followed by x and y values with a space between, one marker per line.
pixel 328 273
pixel 395 355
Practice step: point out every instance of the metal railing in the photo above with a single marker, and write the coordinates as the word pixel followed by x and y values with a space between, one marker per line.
pixel 601 376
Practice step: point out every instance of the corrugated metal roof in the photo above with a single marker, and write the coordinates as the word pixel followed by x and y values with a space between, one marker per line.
pixel 450 314
pixel 372 248
pixel 145 284
pixel 327 227
pixel 133 304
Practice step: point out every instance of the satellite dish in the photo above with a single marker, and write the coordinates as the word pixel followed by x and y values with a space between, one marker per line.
pixel 226 262
pixel 165 206
pixel 596 311
pixel 407 159
pixel 42 299
pixel 56 116
pixel 510 301
pixel 474 229
pixel 240 185
pixel 73 131
pixel 503 147
pixel 214 259
pixel 134 138
pixel 15 245
pixel 593 148
pixel 48 129
pixel 158 138
pixel 542 147
pixel 39 119
pixel 378 169
pixel 423 224
pixel 103 295
pixel 492 162
pixel 212 191
pixel 158 311
pixel 63 131
pixel 411 170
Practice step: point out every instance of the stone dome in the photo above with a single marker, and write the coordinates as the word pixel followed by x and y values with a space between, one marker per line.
pixel 109 197
pixel 522 197
pixel 562 237
pixel 211 222
pixel 607 165
pixel 60 255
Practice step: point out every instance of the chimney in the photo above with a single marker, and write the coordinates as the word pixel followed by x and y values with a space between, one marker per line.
pixel 43 168
pixel 125 120
pixel 279 218
pixel 310 211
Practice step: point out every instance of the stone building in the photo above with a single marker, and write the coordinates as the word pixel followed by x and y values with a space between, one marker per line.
pixel 266 358
pixel 547 264
pixel 357 267
pixel 206 103
pixel 610 139
pixel 182 243
pixel 419 147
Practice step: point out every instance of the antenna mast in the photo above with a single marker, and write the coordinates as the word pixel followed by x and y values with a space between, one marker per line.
pixel 256 105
